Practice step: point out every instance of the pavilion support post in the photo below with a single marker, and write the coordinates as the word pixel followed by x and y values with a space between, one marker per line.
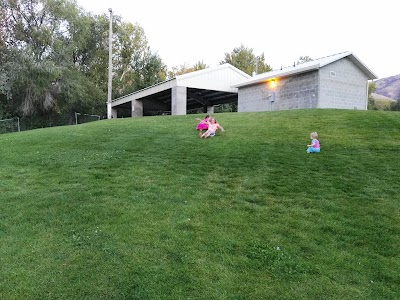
pixel 179 100
pixel 114 113
pixel 137 108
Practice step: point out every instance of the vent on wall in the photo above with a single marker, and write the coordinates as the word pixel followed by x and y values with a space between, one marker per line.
pixel 332 73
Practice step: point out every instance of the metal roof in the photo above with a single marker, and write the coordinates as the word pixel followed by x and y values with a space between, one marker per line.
pixel 219 78
pixel 211 86
pixel 212 69
pixel 308 66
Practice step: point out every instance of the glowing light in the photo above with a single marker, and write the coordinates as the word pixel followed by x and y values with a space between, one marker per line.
pixel 272 83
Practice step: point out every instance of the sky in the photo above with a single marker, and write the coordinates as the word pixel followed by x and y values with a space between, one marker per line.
pixel 186 32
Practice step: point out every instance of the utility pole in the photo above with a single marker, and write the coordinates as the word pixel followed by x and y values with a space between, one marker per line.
pixel 109 112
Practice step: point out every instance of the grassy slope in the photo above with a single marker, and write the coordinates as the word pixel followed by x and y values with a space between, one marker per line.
pixel 144 209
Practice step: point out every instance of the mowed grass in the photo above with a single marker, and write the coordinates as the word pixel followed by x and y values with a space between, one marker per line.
pixel 142 208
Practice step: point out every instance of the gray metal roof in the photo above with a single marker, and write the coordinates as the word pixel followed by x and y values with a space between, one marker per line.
pixel 218 78
pixel 306 67
pixel 211 86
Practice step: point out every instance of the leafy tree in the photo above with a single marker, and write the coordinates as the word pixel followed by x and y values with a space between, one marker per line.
pixel 244 59
pixel 395 105
pixel 135 66
pixel 36 24
pixel 86 47
pixel 3 22
pixel 183 69
pixel 371 101
pixel 304 59
pixel 5 87
pixel 54 58
pixel 37 36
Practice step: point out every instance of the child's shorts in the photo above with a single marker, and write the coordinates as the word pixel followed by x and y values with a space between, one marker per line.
pixel 313 150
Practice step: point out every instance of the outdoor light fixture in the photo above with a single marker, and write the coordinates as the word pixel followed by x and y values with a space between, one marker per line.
pixel 272 83
pixel 270 97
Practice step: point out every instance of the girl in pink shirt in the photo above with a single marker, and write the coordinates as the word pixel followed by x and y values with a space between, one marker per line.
pixel 203 123
pixel 212 128
pixel 314 147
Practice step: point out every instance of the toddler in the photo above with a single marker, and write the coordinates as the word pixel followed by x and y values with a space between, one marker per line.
pixel 314 147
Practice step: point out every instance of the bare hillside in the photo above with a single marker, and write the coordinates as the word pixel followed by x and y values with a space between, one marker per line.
pixel 388 87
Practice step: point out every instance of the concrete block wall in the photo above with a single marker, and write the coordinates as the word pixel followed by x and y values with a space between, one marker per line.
pixel 298 91
pixel 253 98
pixel 293 92
pixel 343 86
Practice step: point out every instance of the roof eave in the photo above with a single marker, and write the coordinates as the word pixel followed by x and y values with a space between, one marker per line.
pixel 371 75
pixel 211 69
pixel 270 75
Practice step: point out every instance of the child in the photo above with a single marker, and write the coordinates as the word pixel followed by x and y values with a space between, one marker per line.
pixel 212 128
pixel 203 123
pixel 314 147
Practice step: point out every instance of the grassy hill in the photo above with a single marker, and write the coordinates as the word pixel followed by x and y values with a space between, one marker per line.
pixel 144 209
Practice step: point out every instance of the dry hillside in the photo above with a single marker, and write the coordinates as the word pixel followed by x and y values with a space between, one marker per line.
pixel 388 87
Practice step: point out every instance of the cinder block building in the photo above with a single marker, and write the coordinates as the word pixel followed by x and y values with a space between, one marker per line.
pixel 336 81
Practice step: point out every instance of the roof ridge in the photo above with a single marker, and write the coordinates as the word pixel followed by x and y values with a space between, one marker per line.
pixel 333 55
pixel 316 59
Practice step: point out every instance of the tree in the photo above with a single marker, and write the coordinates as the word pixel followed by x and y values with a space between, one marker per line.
pixel 245 60
pixel 303 59
pixel 5 87
pixel 37 37
pixel 183 69
pixel 371 101
pixel 395 105
pixel 54 58
pixel 135 66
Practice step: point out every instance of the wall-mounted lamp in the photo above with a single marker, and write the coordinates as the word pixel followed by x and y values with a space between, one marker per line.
pixel 272 83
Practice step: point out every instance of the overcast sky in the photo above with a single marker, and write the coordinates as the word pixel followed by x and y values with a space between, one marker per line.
pixel 186 31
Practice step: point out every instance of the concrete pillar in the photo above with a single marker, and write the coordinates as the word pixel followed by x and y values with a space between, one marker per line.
pixel 210 110
pixel 114 113
pixel 137 108
pixel 179 100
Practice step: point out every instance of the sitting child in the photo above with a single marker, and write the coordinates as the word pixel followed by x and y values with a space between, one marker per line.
pixel 203 123
pixel 212 129
pixel 314 147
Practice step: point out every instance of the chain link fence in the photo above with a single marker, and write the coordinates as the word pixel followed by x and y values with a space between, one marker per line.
pixel 34 122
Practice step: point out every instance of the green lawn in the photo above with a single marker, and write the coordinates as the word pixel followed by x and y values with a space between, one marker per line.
pixel 142 208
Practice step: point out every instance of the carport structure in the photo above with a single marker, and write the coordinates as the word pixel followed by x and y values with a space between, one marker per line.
pixel 201 89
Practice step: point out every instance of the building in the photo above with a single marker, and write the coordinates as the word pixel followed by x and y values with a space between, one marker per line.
pixel 201 89
pixel 336 81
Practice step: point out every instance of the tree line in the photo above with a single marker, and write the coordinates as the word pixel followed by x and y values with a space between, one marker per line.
pixel 54 59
